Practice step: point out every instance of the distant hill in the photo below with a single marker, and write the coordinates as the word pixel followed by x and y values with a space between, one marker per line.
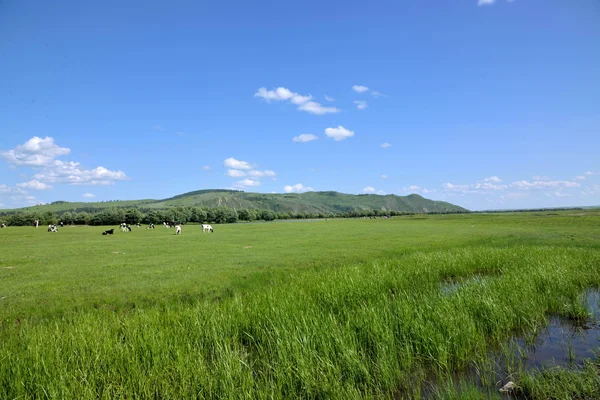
pixel 325 202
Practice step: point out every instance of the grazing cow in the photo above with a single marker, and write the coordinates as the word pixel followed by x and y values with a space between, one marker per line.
pixel 150 226
pixel 52 228
pixel 125 227
pixel 61 224
pixel 177 229
pixel 206 228
pixel 109 232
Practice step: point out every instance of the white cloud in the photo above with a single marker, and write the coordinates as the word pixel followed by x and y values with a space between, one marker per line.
pixel 588 191
pixel 34 184
pixel 259 174
pixel 304 103
pixel 236 173
pixel 525 185
pixel 540 178
pixel 236 164
pixel 384 176
pixel 580 177
pixel 42 153
pixel 329 98
pixel 559 194
pixel 339 133
pixel 297 188
pixel 369 189
pixel 485 2
pixel 72 173
pixel 88 195
pixel 5 189
pixel 589 173
pixel 246 183
pixel 206 168
pixel 36 152
pixel 361 104
pixel 494 179
pixel 304 138
pixel 417 189
pixel 315 108
pixel 359 88
pixel 376 94
pixel 386 145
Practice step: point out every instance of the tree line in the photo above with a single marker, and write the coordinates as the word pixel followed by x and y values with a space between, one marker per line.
pixel 181 215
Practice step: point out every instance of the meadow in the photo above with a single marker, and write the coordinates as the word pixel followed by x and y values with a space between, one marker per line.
pixel 322 309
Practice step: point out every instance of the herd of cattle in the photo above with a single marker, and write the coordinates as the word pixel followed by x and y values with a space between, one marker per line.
pixel 124 227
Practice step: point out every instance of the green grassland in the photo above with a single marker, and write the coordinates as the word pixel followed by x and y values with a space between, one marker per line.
pixel 312 202
pixel 324 309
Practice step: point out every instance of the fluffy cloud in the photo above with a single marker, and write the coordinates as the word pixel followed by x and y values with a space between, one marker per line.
pixel 359 88
pixel 485 2
pixel 361 104
pixel 304 138
pixel 41 154
pixel 236 164
pixel 260 174
pixel 236 173
pixel 304 103
pixel 88 195
pixel 36 152
pixel 297 188
pixel 34 184
pixel 386 145
pixel 339 133
pixel 369 189
pixel 72 173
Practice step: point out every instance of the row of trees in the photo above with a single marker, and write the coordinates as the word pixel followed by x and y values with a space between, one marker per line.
pixel 218 215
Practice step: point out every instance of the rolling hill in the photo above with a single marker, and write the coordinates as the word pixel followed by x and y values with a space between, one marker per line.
pixel 325 202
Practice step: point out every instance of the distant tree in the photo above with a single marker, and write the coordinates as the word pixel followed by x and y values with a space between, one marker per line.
pixel 133 216
pixel 268 215
pixel 67 218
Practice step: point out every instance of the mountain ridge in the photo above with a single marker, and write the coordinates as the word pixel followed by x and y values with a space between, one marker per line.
pixel 319 201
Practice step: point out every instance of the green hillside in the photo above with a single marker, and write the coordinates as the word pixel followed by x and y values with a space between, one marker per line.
pixel 325 202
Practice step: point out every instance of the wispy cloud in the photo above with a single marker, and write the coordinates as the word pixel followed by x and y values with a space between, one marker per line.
pixel 589 173
pixel 485 2
pixel 236 173
pixel 260 174
pixel 297 188
pixel 304 138
pixel 417 189
pixel 493 179
pixel 383 176
pixel 88 195
pixel 369 189
pixel 206 168
pixel 246 183
pixel 329 98
pixel 339 133
pixel 304 103
pixel 385 145
pixel 361 104
pixel 580 177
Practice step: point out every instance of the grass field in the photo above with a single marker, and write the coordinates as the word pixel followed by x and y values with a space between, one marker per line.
pixel 323 309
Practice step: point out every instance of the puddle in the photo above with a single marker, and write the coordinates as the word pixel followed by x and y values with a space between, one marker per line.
pixel 562 343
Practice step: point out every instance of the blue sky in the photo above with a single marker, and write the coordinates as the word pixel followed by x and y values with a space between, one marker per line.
pixel 486 104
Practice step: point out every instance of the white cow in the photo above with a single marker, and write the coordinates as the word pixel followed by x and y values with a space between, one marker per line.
pixel 206 228
pixel 177 229
pixel 52 228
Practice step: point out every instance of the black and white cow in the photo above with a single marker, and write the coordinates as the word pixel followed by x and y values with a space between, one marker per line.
pixel 3 226
pixel 52 228
pixel 206 228
pixel 178 229
pixel 150 226
pixel 109 232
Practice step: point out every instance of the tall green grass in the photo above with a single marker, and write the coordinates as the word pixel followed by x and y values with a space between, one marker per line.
pixel 368 329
